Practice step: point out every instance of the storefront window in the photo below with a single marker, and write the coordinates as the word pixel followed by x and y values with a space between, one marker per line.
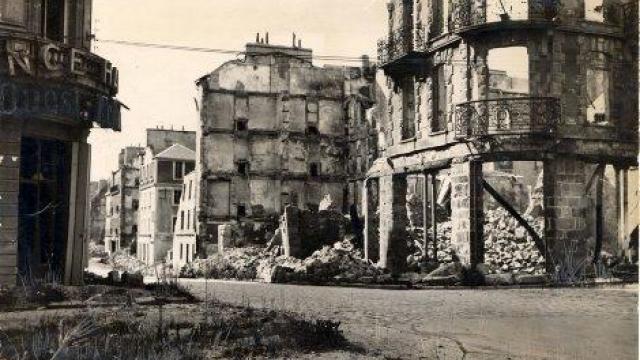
pixel 12 12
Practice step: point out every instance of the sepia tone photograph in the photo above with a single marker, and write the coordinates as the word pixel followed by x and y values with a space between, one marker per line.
pixel 319 179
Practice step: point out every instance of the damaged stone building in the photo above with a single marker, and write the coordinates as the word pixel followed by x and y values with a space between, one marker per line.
pixel 184 234
pixel 122 202
pixel 167 159
pixel 276 130
pixel 52 92
pixel 97 210
pixel 572 115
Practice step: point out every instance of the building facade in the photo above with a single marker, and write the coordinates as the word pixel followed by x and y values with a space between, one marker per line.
pixel 184 233
pixel 97 211
pixel 54 90
pixel 577 114
pixel 122 202
pixel 168 158
pixel 277 130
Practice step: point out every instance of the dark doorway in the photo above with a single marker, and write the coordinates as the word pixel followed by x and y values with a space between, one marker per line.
pixel 43 207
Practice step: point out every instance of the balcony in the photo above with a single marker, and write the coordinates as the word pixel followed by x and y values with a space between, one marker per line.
pixel 399 50
pixel 507 116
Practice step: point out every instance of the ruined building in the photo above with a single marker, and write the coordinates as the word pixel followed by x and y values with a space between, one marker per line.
pixel 53 91
pixel 576 115
pixel 122 202
pixel 168 158
pixel 277 130
pixel 97 210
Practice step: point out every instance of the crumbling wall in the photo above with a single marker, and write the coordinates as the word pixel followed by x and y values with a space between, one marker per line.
pixel 304 231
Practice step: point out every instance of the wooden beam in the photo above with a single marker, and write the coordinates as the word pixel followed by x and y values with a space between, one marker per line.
pixel 505 204
pixel 599 214
pixel 434 222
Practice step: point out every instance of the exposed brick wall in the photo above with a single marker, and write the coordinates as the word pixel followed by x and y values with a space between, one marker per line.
pixel 565 207
pixel 393 223
pixel 467 211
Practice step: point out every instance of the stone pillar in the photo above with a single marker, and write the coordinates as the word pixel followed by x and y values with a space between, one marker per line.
pixel 622 183
pixel 370 199
pixel 225 237
pixel 393 223
pixel 466 212
pixel 290 227
pixel 565 211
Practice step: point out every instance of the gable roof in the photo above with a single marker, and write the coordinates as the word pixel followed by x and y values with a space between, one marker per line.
pixel 177 152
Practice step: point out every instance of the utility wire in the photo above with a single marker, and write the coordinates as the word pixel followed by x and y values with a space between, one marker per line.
pixel 216 51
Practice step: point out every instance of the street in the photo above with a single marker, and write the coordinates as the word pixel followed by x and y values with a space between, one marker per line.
pixel 456 324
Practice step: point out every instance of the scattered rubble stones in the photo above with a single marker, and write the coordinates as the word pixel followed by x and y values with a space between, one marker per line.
pixel 508 246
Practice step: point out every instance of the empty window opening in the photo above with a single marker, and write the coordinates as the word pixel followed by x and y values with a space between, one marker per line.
pixel 135 204
pixel 312 130
pixel 181 251
pixel 408 108
pixel 242 125
pixel 174 222
pixel 243 168
pixel 134 229
pixel 178 170
pixel 177 194
pixel 314 169
pixel 594 10
pixel 508 72
pixel 598 95
pixel 182 220
pixel 440 21
pixel 53 19
pixel 503 10
pixel 242 210
pixel 439 90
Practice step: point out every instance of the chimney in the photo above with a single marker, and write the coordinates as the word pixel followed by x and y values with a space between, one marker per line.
pixel 267 37
pixel 300 44
pixel 257 38
pixel 294 40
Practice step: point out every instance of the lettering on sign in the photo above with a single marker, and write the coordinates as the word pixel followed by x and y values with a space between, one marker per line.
pixel 50 60
pixel 30 100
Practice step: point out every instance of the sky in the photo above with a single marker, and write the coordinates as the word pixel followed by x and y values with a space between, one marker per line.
pixel 158 85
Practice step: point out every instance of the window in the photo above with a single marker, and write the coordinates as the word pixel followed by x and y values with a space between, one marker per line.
pixel 440 14
pixel 134 229
pixel 243 168
pixel 177 194
pixel 53 19
pixel 408 108
pixel 12 12
pixel 178 170
pixel 188 218
pixel 182 220
pixel 598 96
pixel 312 130
pixel 242 125
pixel 314 169
pixel 439 90
pixel 135 204
pixel 181 251
pixel 594 10
pixel 175 221
pixel 190 184
pixel 117 209
pixel 242 210
pixel 188 252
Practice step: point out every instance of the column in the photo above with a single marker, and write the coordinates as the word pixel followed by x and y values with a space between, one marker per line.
pixel 393 223
pixel 9 187
pixel 622 184
pixel 565 211
pixel 466 212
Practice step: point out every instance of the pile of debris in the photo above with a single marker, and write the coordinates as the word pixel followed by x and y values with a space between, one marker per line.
pixel 124 262
pixel 508 246
pixel 235 263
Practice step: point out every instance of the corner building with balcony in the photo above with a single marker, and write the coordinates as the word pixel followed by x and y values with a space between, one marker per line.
pixel 577 115
pixel 53 90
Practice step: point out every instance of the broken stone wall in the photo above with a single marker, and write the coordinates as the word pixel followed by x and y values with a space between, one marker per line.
pixel 304 231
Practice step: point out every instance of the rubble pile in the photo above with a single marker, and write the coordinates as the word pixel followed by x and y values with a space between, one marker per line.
pixel 235 263
pixel 340 262
pixel 508 246
pixel 123 261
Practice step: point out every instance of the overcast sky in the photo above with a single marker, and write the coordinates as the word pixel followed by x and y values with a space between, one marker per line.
pixel 158 85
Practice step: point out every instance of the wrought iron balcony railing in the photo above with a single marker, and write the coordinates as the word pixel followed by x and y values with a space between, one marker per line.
pixel 507 116
pixel 398 44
